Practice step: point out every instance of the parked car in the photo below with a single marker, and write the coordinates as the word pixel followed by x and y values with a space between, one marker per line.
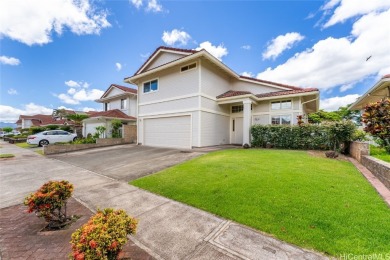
pixel 51 137
pixel 2 133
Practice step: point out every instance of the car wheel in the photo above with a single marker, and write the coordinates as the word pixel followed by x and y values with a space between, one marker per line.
pixel 43 142
pixel 74 139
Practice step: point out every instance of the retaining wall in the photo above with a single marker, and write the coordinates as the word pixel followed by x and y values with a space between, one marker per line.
pixel 380 169
pixel 64 148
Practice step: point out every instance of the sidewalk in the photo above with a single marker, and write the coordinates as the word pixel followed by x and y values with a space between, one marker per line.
pixel 167 229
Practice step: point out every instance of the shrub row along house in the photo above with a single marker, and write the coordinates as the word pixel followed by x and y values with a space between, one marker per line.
pixel 189 98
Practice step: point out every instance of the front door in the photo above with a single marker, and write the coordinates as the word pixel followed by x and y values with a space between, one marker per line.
pixel 237 126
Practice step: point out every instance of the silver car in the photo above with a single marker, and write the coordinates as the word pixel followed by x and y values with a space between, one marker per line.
pixel 51 137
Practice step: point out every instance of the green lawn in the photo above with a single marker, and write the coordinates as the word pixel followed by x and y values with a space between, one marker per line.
pixel 313 202
pixel 6 155
pixel 25 145
pixel 379 153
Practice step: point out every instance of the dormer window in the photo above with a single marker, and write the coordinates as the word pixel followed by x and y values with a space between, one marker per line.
pixel 188 67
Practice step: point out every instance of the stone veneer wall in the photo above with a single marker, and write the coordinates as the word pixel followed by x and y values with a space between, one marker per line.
pixel 130 133
pixel 380 169
pixel 358 149
pixel 64 148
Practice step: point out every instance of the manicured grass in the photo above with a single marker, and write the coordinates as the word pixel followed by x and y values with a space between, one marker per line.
pixel 6 155
pixel 25 145
pixel 313 202
pixel 379 153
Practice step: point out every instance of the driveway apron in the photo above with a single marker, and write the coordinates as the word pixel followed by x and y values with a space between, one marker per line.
pixel 167 229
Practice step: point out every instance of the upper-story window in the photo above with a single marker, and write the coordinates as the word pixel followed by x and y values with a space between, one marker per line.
pixel 285 104
pixel 123 103
pixel 106 106
pixel 237 109
pixel 188 67
pixel 151 86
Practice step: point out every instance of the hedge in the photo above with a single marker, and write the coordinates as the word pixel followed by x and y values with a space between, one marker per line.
pixel 306 136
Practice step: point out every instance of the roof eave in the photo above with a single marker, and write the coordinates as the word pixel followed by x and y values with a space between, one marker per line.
pixel 202 53
pixel 357 104
pixel 125 94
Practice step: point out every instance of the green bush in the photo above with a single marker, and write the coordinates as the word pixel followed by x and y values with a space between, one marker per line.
pixel 103 236
pixel 51 127
pixel 66 128
pixel 88 140
pixel 36 129
pixel 307 136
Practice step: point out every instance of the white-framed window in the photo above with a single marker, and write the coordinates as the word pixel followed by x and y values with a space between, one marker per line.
pixel 284 104
pixel 281 120
pixel 188 67
pixel 123 103
pixel 151 86
pixel 106 106
pixel 237 109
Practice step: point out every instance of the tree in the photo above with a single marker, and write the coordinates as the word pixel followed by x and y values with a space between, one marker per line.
pixel 7 129
pixel 342 113
pixel 116 125
pixel 78 122
pixel 376 118
pixel 60 113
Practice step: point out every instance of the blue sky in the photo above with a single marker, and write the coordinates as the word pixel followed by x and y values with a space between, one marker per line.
pixel 59 53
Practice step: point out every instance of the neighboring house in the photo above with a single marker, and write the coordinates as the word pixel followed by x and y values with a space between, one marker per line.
pixel 40 121
pixel 189 98
pixel 379 91
pixel 120 103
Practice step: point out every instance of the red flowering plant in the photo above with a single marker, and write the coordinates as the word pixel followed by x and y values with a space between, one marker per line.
pixel 103 236
pixel 50 201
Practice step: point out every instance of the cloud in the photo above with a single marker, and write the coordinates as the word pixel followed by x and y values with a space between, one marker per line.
pixel 87 109
pixel 345 87
pixel 75 84
pixel 154 6
pixel 12 91
pixel 72 83
pixel 79 92
pixel 118 66
pixel 48 16
pixel 217 51
pixel 348 8
pixel 339 61
pixel 247 74
pixel 333 103
pixel 281 43
pixel 136 3
pixel 9 60
pixel 175 36
pixel 11 114
pixel 246 47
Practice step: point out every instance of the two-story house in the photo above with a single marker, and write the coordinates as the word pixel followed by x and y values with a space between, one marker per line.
pixel 189 98
pixel 120 103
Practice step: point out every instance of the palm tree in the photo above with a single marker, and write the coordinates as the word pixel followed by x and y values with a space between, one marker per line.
pixel 78 122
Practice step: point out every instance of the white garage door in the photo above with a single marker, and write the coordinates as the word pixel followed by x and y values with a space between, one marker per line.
pixel 168 132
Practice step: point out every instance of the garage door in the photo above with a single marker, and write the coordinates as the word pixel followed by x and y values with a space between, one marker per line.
pixel 168 132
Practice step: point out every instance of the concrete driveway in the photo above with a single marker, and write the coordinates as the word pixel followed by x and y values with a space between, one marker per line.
pixel 126 162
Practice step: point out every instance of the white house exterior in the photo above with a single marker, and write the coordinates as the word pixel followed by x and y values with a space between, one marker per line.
pixel 119 102
pixel 188 98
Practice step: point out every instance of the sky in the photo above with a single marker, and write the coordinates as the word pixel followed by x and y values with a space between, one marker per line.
pixel 66 53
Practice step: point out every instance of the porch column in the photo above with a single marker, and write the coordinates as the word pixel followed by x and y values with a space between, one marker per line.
pixel 246 121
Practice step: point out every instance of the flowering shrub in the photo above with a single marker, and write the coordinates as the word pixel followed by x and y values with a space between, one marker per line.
pixel 49 201
pixel 103 236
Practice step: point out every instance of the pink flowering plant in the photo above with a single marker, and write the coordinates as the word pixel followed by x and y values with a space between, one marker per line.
pixel 103 236
pixel 49 202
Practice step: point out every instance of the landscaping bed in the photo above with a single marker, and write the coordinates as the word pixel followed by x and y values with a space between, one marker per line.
pixel 313 202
